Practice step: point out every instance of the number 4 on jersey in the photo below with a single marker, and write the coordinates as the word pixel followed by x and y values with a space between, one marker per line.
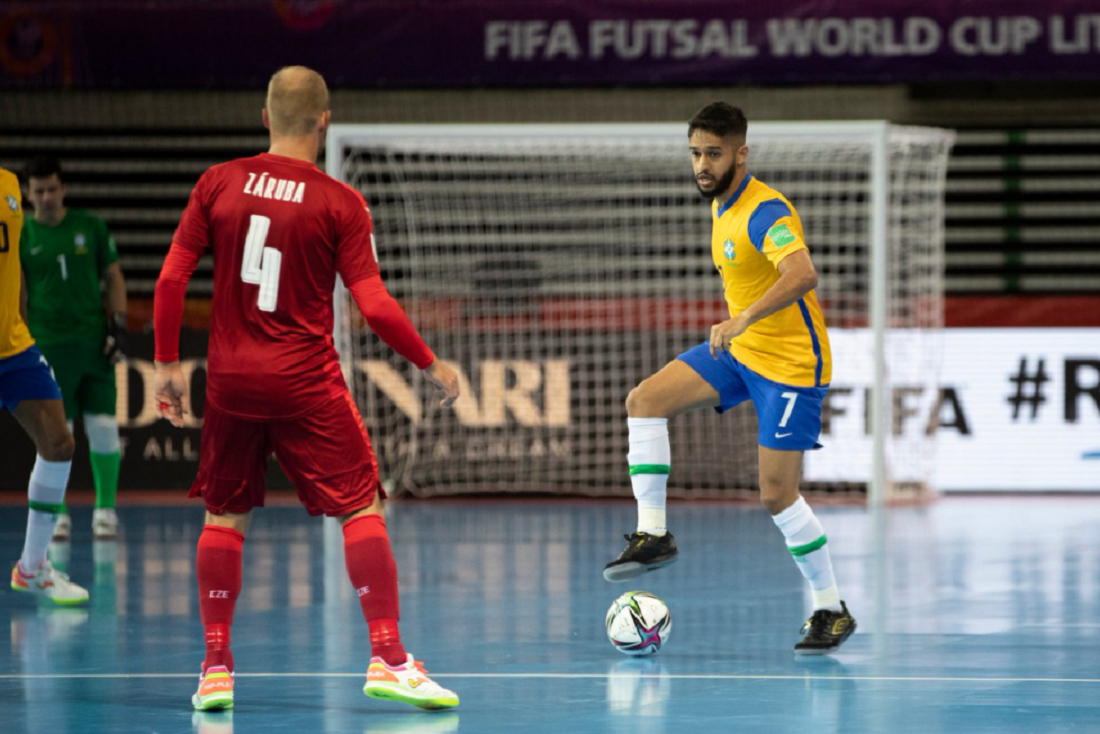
pixel 261 265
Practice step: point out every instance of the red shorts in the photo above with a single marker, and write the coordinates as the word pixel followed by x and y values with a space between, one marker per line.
pixel 326 453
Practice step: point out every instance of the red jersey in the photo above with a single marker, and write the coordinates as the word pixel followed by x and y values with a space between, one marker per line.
pixel 280 230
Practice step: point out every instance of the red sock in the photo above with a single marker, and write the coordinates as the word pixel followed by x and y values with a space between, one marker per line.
pixel 373 573
pixel 218 564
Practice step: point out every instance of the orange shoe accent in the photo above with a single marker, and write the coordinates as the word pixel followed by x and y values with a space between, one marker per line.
pixel 213 682
pixel 19 580
pixel 378 672
pixel 215 690
pixel 24 582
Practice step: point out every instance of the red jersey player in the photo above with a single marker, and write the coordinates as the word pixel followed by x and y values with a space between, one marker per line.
pixel 281 230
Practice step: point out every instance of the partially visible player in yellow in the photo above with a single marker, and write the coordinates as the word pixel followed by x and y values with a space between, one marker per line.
pixel 29 391
pixel 773 350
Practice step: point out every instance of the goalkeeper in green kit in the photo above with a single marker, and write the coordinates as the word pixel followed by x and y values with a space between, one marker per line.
pixel 66 254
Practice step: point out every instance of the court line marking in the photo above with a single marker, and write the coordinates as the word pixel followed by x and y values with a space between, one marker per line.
pixel 587 676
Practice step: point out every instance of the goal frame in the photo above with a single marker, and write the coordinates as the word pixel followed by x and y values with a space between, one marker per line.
pixel 875 133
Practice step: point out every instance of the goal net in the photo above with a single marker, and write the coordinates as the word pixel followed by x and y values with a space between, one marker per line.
pixel 556 266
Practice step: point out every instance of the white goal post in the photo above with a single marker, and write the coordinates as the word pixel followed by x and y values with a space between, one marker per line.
pixel 557 265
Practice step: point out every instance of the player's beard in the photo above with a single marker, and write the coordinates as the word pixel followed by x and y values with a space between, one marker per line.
pixel 720 186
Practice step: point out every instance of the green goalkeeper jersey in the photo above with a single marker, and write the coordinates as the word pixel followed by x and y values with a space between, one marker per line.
pixel 64 266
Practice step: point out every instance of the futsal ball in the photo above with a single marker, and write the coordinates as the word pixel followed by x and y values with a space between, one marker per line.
pixel 638 623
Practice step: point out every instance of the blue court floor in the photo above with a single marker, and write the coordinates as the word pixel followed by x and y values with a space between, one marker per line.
pixel 975 615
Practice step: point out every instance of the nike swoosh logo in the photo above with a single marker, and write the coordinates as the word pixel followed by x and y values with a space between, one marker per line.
pixel 784 435
pixel 36 250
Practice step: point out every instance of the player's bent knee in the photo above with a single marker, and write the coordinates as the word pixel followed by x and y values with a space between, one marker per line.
pixel 773 505
pixel 60 447
pixel 640 403
pixel 776 497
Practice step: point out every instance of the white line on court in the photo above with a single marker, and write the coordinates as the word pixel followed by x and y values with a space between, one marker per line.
pixel 671 676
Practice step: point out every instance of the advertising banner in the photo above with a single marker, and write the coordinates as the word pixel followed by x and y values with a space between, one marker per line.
pixel 110 44
pixel 1012 409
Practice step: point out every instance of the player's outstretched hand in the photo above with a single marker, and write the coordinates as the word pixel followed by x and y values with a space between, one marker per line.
pixel 170 392
pixel 445 379
pixel 721 334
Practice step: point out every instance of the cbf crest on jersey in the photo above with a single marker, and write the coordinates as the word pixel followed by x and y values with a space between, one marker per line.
pixel 81 243
pixel 730 250
pixel 13 203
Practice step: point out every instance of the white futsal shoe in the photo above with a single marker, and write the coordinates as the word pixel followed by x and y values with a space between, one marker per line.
pixel 48 583
pixel 63 529
pixel 408 683
pixel 104 523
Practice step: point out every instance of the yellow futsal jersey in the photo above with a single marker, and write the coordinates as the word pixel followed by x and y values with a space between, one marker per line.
pixel 753 232
pixel 14 336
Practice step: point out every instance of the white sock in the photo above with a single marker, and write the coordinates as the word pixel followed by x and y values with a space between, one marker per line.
pixel 807 543
pixel 102 432
pixel 649 459
pixel 45 494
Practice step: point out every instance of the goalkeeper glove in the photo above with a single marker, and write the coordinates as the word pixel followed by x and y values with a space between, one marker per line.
pixel 115 347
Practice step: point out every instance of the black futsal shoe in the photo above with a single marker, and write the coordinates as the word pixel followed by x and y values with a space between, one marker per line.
pixel 643 552
pixel 825 631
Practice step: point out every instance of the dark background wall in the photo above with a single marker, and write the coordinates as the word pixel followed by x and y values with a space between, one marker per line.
pixel 139 98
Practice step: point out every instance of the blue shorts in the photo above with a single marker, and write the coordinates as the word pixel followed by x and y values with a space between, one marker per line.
pixel 789 416
pixel 26 376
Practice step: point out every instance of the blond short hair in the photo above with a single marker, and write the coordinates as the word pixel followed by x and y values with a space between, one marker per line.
pixel 297 96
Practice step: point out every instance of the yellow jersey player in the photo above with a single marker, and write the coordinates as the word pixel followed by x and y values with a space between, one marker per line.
pixel 28 390
pixel 773 350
